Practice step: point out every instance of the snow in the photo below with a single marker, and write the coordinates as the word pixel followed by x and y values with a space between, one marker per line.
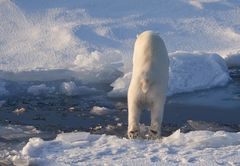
pixel 40 89
pixel 12 139
pixel 188 72
pixel 82 41
pixel 77 148
pixel 94 60
pixel 19 111
pixel 96 110
pixel 38 43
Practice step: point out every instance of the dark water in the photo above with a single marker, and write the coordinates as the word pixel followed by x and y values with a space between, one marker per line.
pixel 212 109
pixel 57 112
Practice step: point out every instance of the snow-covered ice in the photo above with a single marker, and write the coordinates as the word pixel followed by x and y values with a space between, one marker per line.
pixel 77 148
pixel 120 86
pixel 96 110
pixel 80 40
pixel 71 89
pixel 196 71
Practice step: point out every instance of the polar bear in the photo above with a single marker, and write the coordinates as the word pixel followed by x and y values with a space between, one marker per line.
pixel 148 84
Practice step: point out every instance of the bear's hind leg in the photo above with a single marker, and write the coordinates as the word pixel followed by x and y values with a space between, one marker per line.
pixel 156 119
pixel 134 112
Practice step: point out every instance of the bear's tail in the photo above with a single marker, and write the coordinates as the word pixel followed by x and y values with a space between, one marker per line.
pixel 145 85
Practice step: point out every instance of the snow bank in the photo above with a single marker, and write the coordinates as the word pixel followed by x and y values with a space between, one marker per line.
pixel 196 147
pixel 78 34
pixel 40 89
pixel 49 41
pixel 81 41
pixel 188 72
pixel 31 43
pixel 195 71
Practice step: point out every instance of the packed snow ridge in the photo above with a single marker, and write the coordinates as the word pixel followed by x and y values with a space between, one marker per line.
pixel 193 148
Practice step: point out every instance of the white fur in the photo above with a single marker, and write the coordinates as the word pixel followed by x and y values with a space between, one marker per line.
pixel 149 82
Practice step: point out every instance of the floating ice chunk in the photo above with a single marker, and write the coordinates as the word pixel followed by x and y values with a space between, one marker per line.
pixel 100 110
pixel 40 89
pixel 188 72
pixel 71 89
pixel 19 111
pixel 120 86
